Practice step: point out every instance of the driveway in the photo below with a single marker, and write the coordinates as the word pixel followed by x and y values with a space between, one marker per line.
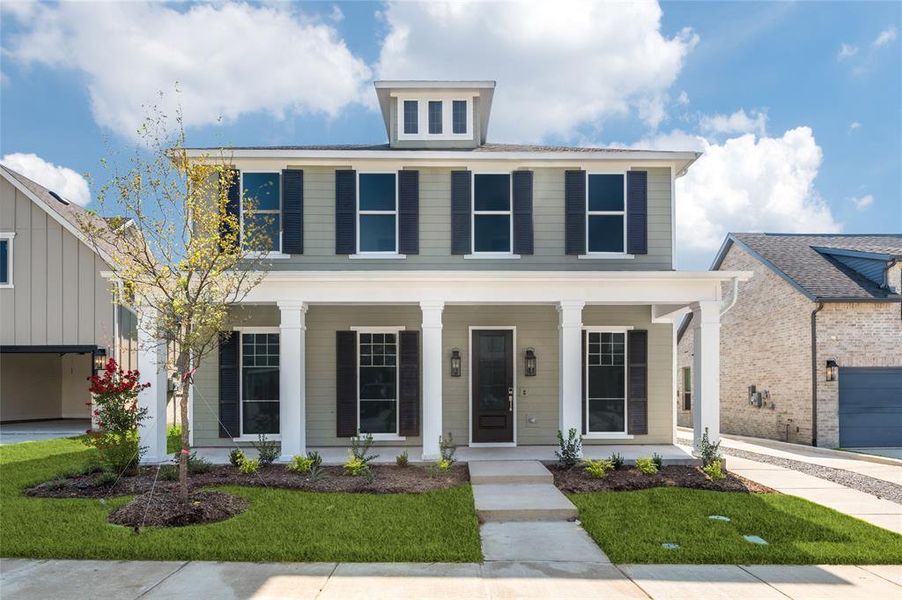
pixel 34 431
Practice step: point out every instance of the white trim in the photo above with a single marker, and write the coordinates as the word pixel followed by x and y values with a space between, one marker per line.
pixel 387 437
pixel 470 330
pixel 376 256
pixel 606 256
pixel 383 329
pixel 396 331
pixel 270 437
pixel 423 98
pixel 491 256
pixel 622 329
pixel 509 213
pixel 673 244
pixel 606 213
pixel 9 237
pixel 271 254
pixel 253 330
pixel 260 253
pixel 358 213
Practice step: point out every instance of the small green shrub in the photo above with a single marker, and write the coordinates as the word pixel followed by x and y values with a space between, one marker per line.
pixel 444 464
pixel 360 448
pixel 105 478
pixel 646 466
pixel 173 439
pixel 300 464
pixel 236 457
pixel 402 460
pixel 715 470
pixel 598 468
pixel 119 453
pixel 249 466
pixel 169 473
pixel 709 452
pixel 196 464
pixel 447 448
pixel 356 466
pixel 267 450
pixel 658 460
pixel 616 460
pixel 570 451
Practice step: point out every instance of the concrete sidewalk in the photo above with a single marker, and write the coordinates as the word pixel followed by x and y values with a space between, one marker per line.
pixel 22 579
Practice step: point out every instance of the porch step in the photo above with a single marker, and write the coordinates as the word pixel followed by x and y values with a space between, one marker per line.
pixel 521 502
pixel 508 471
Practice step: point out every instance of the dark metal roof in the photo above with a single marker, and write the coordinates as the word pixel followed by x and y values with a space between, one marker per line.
pixel 817 274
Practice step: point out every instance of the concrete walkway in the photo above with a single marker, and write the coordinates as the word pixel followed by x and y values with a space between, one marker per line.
pixel 36 431
pixel 22 579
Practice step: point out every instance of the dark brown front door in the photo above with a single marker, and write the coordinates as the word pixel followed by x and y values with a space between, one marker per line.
pixel 493 385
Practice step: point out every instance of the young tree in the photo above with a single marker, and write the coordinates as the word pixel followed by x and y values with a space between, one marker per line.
pixel 180 250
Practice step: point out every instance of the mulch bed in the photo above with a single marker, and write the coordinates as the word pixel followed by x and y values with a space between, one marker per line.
pixel 627 478
pixel 386 479
pixel 164 508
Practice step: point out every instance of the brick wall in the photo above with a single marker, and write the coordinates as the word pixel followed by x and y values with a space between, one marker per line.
pixel 684 359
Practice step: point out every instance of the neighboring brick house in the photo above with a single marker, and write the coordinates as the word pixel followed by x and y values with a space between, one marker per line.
pixel 838 293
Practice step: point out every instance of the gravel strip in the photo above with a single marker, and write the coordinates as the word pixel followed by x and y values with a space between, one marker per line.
pixel 856 481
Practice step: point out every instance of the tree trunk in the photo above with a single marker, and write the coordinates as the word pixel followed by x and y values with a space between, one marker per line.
pixel 182 396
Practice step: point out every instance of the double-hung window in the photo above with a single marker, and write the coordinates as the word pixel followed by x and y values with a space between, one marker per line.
pixel 377 213
pixel 459 116
pixel 259 383
pixel 492 223
pixel 435 117
pixel 606 381
pixel 6 259
pixel 378 382
pixel 261 211
pixel 606 213
pixel 687 388
pixel 411 117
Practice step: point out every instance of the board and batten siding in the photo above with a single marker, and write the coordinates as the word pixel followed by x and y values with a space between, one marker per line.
pixel 435 227
pixel 536 327
pixel 58 295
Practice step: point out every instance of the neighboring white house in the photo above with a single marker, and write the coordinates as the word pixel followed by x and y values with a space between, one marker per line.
pixel 440 283
pixel 56 309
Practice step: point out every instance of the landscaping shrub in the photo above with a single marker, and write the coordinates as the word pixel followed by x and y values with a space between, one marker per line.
pixel 708 451
pixel 360 447
pixel 169 473
pixel 196 464
pixel 402 460
pixel 173 439
pixel 444 464
pixel 569 451
pixel 249 466
pixel 356 466
pixel 447 448
pixel 658 460
pixel 714 470
pixel 105 478
pixel 646 466
pixel 598 468
pixel 115 397
pixel 300 464
pixel 616 460
pixel 267 450
pixel 236 457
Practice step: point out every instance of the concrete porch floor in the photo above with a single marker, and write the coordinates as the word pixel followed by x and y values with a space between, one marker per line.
pixel 672 454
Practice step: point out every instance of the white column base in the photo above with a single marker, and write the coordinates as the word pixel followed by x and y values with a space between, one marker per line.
pixel 432 378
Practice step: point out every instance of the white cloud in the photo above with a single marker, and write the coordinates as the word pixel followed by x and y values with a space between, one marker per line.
pixel 559 65
pixel 738 122
pixel 229 59
pixel 863 202
pixel 67 183
pixel 847 51
pixel 886 36
pixel 683 98
pixel 854 125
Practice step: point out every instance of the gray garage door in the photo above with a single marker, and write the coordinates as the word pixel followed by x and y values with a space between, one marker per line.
pixel 870 407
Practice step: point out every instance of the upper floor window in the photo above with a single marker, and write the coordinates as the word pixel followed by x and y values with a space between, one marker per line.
pixel 459 116
pixel 492 212
pixel 262 192
pixel 377 212
pixel 6 259
pixel 411 117
pixel 435 117
pixel 605 212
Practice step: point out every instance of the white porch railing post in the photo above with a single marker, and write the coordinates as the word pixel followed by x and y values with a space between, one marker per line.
pixel 706 371
pixel 152 366
pixel 292 379
pixel 432 377
pixel 570 396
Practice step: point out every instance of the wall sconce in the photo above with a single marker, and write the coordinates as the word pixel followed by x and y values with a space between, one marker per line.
pixel 530 362
pixel 99 359
pixel 455 362
pixel 832 370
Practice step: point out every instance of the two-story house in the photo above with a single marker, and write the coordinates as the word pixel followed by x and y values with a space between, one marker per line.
pixel 442 284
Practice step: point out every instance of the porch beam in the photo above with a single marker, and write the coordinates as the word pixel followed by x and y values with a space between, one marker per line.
pixel 292 379
pixel 152 366
pixel 432 377
pixel 570 328
pixel 706 371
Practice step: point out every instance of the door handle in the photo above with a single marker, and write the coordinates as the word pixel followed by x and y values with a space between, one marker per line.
pixel 510 399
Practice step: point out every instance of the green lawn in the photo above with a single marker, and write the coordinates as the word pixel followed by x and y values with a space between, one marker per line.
pixel 631 526
pixel 280 525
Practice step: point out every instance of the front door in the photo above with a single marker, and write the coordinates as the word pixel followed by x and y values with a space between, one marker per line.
pixel 493 386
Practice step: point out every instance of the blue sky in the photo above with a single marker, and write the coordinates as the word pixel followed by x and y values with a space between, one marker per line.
pixel 797 106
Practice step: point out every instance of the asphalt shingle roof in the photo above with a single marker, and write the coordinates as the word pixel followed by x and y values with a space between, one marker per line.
pixel 482 148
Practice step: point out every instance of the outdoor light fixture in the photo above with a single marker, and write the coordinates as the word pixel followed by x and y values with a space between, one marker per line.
pixel 99 359
pixel 530 362
pixel 455 362
pixel 832 370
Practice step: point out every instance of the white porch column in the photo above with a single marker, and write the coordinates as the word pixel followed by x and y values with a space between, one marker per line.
pixel 571 386
pixel 706 371
pixel 292 379
pixel 433 369
pixel 152 366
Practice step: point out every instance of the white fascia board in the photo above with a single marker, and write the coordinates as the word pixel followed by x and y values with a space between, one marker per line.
pixel 503 276
pixel 431 84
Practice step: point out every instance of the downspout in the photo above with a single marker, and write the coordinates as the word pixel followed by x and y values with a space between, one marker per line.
pixel 814 372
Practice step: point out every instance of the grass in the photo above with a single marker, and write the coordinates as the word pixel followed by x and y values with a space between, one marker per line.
pixel 631 526
pixel 280 525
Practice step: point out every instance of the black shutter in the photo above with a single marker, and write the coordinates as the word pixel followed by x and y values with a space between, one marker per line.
pixel 575 212
pixel 637 381
pixel 228 384
pixel 233 205
pixel 346 383
pixel 523 234
pixel 585 391
pixel 409 212
pixel 345 212
pixel 293 211
pixel 461 202
pixel 409 377
pixel 637 212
